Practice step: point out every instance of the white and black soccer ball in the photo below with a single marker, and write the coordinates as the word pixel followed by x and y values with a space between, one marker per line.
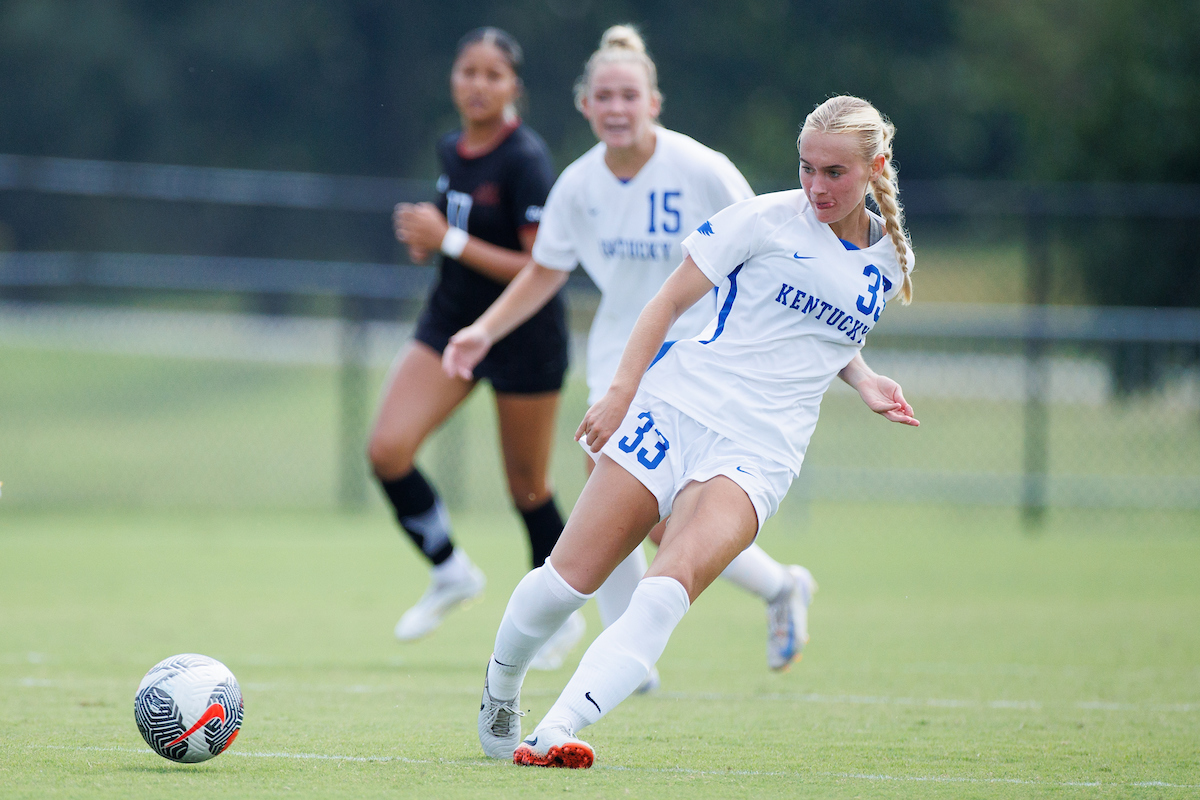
pixel 188 708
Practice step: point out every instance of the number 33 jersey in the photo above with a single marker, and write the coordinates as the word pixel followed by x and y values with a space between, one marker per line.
pixel 626 234
pixel 795 306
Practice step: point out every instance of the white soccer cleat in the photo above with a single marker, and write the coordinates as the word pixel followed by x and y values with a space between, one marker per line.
pixel 651 683
pixel 561 642
pixel 787 620
pixel 439 599
pixel 499 724
pixel 554 747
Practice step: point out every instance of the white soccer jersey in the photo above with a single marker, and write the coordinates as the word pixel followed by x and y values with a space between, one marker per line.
pixel 626 235
pixel 795 307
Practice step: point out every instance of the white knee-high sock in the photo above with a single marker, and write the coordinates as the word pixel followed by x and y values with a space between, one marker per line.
pixel 538 607
pixel 758 573
pixel 618 661
pixel 612 598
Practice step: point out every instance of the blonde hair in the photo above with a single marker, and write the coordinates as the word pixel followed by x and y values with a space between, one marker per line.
pixel 619 43
pixel 845 114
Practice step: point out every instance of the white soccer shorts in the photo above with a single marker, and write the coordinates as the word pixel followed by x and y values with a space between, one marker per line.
pixel 666 450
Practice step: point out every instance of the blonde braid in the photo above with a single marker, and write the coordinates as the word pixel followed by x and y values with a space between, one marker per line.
pixel 884 190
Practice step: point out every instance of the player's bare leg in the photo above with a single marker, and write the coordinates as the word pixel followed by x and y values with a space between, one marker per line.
pixel 711 523
pixel 787 591
pixel 612 598
pixel 527 424
pixel 612 516
pixel 418 398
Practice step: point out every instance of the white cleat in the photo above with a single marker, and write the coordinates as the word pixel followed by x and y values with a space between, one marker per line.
pixel 787 620
pixel 499 724
pixel 554 747
pixel 651 683
pixel 561 642
pixel 439 599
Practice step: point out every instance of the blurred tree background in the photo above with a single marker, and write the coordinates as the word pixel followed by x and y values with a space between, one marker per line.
pixel 1046 90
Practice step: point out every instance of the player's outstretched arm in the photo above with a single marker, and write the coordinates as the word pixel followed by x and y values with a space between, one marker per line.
pixel 881 394
pixel 682 290
pixel 529 291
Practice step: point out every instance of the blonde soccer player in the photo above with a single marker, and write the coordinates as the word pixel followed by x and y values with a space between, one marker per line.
pixel 620 211
pixel 714 430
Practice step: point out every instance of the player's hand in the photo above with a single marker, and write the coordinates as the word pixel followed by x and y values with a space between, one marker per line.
pixel 602 420
pixel 464 352
pixel 419 225
pixel 418 255
pixel 884 396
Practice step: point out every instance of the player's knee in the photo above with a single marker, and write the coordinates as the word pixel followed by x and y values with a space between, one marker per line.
pixel 390 455
pixel 687 578
pixel 656 533
pixel 528 486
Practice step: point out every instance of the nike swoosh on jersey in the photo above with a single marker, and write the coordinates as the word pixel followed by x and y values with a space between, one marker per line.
pixel 751 474
pixel 797 255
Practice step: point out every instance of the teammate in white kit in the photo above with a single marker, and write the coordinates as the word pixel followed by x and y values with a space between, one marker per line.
pixel 714 430
pixel 621 211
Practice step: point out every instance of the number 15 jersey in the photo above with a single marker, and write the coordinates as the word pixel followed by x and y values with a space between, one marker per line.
pixel 626 234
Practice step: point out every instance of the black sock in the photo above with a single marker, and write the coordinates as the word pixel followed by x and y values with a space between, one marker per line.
pixel 545 526
pixel 421 513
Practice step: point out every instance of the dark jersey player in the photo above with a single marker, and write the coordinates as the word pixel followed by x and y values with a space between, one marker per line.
pixel 496 174
pixel 496 197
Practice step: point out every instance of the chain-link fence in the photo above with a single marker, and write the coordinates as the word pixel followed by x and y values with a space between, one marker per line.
pixel 158 380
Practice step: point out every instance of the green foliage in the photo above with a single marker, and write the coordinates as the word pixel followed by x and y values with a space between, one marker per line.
pixel 1101 91
pixel 1105 90
pixel 1046 90
pixel 1055 89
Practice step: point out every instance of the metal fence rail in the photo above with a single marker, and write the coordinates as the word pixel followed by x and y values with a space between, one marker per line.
pixel 1035 334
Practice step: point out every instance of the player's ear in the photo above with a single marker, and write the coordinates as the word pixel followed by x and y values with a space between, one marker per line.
pixel 655 104
pixel 877 165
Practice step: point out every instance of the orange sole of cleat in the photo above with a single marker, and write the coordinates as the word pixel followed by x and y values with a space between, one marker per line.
pixel 569 756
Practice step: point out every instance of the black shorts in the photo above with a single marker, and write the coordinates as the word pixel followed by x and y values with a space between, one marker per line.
pixel 530 360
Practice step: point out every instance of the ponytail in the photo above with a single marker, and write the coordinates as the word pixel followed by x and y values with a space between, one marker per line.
pixel 619 43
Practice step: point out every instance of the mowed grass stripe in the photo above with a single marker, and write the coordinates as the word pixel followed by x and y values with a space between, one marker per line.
pixel 951 655
pixel 930 702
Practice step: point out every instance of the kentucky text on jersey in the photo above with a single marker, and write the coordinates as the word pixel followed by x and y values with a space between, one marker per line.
pixel 799 300
pixel 637 249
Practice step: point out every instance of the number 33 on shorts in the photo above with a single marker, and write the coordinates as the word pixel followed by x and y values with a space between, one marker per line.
pixel 661 445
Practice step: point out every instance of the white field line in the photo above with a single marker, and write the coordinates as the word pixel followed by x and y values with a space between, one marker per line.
pixel 651 770
pixel 775 697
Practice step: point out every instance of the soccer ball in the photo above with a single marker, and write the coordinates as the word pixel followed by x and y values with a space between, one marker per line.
pixel 188 708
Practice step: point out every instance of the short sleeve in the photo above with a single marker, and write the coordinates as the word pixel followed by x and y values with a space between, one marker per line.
pixel 530 182
pixel 555 246
pixel 728 185
pixel 724 241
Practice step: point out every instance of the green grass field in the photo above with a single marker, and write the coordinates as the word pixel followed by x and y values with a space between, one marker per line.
pixel 90 429
pixel 951 656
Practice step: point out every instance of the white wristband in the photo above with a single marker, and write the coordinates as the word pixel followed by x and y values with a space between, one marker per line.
pixel 454 242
